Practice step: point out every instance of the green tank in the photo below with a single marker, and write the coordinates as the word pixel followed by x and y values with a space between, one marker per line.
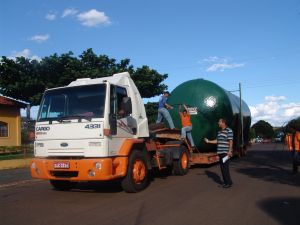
pixel 207 102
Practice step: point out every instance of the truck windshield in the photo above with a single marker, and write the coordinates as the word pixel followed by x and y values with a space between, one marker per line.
pixel 73 103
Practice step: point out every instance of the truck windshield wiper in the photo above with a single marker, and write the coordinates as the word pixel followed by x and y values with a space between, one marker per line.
pixel 49 119
pixel 79 117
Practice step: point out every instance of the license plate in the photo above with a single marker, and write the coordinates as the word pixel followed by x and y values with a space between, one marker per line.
pixel 61 165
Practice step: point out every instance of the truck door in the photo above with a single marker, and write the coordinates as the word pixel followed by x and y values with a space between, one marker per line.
pixel 126 124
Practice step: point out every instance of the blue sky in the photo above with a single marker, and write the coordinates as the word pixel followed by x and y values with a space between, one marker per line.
pixel 255 42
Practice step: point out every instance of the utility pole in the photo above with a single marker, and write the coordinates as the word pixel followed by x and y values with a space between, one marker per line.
pixel 28 112
pixel 241 117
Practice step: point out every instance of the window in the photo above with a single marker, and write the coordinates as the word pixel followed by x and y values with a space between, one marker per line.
pixel 116 103
pixel 3 129
pixel 78 101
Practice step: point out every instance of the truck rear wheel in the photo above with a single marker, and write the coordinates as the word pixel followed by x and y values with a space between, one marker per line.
pixel 62 185
pixel 181 165
pixel 137 177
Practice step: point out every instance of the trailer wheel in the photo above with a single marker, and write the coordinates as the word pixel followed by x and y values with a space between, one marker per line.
pixel 62 185
pixel 137 177
pixel 181 165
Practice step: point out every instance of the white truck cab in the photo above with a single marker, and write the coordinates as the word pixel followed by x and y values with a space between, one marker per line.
pixel 87 118
pixel 87 123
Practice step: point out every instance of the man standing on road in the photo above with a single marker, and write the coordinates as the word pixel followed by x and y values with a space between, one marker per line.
pixel 292 140
pixel 296 152
pixel 224 143
pixel 163 110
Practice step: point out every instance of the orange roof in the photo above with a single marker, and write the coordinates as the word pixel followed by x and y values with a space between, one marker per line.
pixel 11 102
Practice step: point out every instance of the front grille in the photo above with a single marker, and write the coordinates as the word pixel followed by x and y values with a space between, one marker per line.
pixel 64 174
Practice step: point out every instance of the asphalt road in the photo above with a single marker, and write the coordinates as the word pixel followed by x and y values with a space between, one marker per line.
pixel 265 192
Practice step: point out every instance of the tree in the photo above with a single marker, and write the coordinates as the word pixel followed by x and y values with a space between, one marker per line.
pixel 263 129
pixel 20 79
pixel 149 81
pixel 151 111
pixel 252 133
pixel 295 124
pixel 26 79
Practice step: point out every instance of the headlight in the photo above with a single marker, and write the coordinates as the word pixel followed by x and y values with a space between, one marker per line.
pixel 91 173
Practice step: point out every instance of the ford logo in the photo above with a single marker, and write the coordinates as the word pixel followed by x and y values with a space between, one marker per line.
pixel 64 144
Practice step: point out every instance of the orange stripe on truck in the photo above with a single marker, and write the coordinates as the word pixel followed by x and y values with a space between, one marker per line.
pixel 80 170
pixel 128 145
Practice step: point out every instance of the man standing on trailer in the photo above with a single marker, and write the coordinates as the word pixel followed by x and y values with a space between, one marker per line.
pixel 163 110
pixel 224 143
pixel 187 127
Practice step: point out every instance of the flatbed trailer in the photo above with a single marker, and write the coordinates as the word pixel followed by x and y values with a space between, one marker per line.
pixel 165 138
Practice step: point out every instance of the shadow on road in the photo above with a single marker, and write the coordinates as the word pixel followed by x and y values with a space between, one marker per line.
pixel 272 174
pixel 271 165
pixel 283 209
pixel 101 186
pixel 215 177
pixel 115 185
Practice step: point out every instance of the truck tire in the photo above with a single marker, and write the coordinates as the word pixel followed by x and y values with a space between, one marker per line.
pixel 137 177
pixel 62 185
pixel 181 165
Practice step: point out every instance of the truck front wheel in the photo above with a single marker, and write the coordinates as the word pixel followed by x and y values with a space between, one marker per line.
pixel 137 177
pixel 62 185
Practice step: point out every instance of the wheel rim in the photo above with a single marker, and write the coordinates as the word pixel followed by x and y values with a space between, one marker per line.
pixel 139 171
pixel 184 160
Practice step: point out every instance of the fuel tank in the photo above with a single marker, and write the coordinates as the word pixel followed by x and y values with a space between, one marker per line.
pixel 207 103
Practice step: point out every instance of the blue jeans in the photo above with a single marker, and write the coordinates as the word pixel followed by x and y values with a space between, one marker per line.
pixel 164 113
pixel 186 131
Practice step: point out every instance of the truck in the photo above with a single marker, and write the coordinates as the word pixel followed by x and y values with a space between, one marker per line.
pixel 97 130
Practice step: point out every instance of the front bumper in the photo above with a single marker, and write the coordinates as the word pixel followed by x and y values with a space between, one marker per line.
pixel 79 169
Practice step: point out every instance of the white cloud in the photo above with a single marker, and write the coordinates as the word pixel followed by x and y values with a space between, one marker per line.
pixel 274 98
pixel 50 16
pixel 291 109
pixel 275 111
pixel 215 63
pixel 69 12
pixel 93 18
pixel 25 53
pixel 40 38
pixel 223 66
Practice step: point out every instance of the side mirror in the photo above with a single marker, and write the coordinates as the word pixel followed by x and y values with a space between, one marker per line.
pixel 127 105
pixel 113 124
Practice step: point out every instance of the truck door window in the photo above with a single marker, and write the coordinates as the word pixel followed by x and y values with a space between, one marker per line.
pixel 117 94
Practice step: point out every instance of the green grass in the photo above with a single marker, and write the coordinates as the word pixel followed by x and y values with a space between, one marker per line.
pixel 16 156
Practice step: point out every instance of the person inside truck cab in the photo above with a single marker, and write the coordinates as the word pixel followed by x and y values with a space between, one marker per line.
pixel 163 112
pixel 126 120
pixel 121 108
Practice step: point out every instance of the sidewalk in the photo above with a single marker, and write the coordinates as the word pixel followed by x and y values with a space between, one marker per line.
pixel 14 163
